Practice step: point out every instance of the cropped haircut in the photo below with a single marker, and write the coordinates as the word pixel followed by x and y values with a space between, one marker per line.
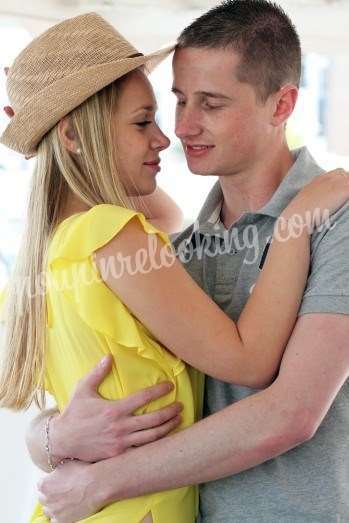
pixel 260 32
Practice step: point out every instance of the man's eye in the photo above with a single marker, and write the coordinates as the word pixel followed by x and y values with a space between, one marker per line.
pixel 144 123
pixel 209 106
pixel 180 102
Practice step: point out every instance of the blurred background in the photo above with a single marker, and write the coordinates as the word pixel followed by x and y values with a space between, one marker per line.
pixel 321 121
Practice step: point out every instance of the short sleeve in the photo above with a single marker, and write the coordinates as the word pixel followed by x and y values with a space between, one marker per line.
pixel 87 232
pixel 327 289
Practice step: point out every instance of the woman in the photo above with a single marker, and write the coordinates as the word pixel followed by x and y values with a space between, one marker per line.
pixel 94 277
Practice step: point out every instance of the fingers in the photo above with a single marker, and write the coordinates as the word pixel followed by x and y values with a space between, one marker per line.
pixel 153 419
pixel 339 177
pixel 143 437
pixel 143 397
pixel 9 111
pixel 336 174
pixel 47 513
pixel 93 379
pixel 339 171
pixel 343 172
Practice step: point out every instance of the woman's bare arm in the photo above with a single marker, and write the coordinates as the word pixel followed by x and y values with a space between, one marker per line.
pixel 186 321
pixel 35 440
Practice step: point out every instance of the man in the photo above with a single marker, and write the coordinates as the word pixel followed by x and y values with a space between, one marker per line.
pixel 283 451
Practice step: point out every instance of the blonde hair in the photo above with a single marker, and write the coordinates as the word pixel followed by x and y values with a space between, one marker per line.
pixel 92 177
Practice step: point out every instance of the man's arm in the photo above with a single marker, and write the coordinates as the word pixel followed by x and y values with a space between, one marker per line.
pixel 314 367
pixel 258 428
pixel 237 438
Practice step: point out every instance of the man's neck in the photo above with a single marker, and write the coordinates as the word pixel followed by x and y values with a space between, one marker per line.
pixel 250 190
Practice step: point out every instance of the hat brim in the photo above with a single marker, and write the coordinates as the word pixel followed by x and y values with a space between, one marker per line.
pixel 59 99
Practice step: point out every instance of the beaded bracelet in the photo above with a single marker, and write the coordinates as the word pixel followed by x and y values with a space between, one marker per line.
pixel 48 447
pixel 47 444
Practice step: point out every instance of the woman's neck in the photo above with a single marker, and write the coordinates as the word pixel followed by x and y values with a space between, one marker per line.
pixel 72 206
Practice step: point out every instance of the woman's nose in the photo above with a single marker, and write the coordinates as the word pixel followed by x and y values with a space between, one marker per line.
pixel 160 141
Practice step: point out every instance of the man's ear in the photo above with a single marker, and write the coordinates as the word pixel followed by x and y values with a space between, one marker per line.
pixel 67 135
pixel 284 102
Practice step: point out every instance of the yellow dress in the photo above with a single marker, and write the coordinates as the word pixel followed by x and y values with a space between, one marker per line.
pixel 86 321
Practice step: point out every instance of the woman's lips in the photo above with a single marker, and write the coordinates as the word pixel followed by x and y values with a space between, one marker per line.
pixel 154 166
pixel 197 151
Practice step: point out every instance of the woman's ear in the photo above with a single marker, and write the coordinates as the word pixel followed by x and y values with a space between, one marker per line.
pixel 284 103
pixel 67 135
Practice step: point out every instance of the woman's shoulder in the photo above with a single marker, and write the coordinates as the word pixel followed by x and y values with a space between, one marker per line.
pixel 81 234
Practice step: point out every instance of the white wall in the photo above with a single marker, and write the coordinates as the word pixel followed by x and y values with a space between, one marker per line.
pixel 17 474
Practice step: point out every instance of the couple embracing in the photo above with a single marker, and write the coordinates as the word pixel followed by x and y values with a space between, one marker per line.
pixel 207 369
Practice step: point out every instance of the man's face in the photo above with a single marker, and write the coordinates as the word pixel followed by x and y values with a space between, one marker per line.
pixel 224 128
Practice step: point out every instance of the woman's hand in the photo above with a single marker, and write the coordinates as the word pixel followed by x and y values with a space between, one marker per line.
pixel 320 198
pixel 8 110
pixel 69 494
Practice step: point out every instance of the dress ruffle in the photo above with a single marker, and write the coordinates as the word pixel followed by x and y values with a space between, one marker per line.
pixel 73 270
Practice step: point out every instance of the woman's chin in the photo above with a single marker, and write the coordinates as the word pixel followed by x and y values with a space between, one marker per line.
pixel 143 190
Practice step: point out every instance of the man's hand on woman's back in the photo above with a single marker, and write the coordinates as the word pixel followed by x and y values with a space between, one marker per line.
pixel 91 428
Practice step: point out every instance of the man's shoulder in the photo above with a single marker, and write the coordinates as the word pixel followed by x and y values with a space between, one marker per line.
pixel 337 226
pixel 180 238
pixel 342 214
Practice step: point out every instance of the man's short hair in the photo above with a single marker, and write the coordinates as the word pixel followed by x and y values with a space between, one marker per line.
pixel 261 32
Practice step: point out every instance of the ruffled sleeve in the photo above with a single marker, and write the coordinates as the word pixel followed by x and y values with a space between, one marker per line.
pixel 88 231
pixel 73 272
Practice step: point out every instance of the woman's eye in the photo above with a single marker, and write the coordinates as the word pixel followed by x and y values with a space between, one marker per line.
pixel 180 102
pixel 144 123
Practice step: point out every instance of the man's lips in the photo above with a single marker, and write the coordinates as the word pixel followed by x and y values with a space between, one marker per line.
pixel 197 150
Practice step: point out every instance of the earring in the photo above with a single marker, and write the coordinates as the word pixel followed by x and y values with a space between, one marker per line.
pixel 78 150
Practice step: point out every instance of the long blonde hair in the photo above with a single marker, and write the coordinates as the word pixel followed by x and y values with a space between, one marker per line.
pixel 93 178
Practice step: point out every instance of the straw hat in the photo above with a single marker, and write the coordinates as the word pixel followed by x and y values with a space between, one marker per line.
pixel 60 69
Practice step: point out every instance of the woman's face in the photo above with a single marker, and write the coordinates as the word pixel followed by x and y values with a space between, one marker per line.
pixel 138 138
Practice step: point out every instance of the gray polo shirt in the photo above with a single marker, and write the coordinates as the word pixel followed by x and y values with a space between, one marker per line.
pixel 311 482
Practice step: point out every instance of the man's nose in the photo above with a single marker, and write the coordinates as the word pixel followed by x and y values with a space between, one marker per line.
pixel 187 124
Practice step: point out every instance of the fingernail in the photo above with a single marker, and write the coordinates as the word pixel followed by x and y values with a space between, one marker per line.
pixel 104 361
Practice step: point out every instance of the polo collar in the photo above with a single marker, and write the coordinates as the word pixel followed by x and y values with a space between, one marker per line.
pixel 303 170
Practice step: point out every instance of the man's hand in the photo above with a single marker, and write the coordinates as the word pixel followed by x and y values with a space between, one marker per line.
pixel 69 493
pixel 91 428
